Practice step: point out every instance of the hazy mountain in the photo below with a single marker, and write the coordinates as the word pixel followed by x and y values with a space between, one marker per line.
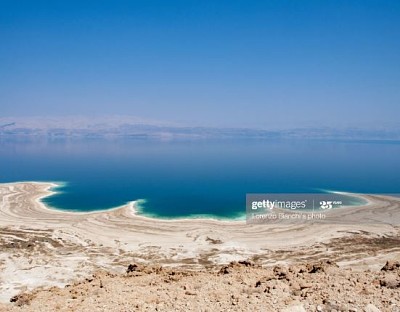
pixel 127 126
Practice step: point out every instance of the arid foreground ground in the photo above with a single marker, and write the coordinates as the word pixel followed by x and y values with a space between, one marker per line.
pixel 119 261
pixel 241 286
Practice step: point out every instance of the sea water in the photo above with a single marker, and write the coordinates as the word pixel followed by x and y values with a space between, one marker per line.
pixel 195 178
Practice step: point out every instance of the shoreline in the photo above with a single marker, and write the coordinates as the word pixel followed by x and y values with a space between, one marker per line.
pixel 130 204
pixel 363 201
pixel 47 189
pixel 43 246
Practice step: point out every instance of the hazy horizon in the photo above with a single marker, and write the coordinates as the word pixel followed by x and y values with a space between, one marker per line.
pixel 71 121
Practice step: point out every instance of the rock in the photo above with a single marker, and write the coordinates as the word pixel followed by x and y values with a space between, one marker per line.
pixel 295 285
pixel 297 292
pixel 134 268
pixel 234 265
pixel 22 299
pixel 371 308
pixel 225 270
pixel 329 301
pixel 280 272
pixel 390 282
pixel 391 266
pixel 331 305
pixel 246 263
pixel 322 266
pixel 315 268
pixel 295 308
pixel 304 285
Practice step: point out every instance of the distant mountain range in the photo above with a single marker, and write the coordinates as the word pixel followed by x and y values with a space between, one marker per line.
pixel 117 126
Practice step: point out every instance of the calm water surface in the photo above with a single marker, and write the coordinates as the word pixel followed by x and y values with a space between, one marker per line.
pixel 196 178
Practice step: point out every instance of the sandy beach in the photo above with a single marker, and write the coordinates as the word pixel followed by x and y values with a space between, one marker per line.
pixel 43 247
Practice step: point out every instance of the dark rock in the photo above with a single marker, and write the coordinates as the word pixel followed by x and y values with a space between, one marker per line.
pixel 246 263
pixel 321 266
pixel 134 268
pixel 21 299
pixel 315 268
pixel 225 270
pixel 391 266
pixel 280 272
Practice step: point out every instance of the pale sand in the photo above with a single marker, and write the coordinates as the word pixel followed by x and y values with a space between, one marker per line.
pixel 43 247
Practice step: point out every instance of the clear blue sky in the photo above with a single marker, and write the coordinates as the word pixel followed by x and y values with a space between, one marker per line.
pixel 229 63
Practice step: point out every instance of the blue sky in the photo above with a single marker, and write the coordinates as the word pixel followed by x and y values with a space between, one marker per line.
pixel 215 63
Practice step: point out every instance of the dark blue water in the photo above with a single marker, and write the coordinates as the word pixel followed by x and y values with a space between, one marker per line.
pixel 186 178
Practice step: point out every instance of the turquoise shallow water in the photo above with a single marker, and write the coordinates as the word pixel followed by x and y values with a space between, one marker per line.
pixel 196 178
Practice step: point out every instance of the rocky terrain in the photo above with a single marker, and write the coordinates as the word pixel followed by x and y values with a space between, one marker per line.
pixel 239 286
